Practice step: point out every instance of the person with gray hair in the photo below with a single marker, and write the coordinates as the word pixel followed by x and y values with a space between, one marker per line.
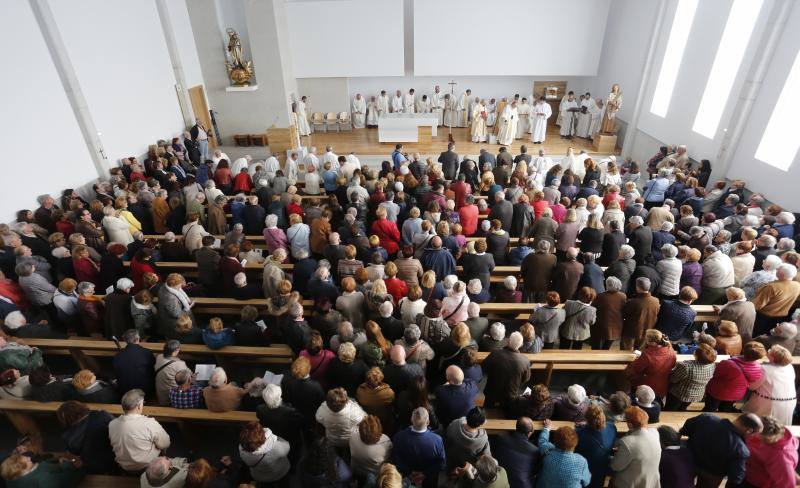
pixel 165 473
pixel 608 324
pixel 755 280
pixel 670 269
pixel 221 396
pixel 38 289
pixel 623 267
pixel 507 371
pixel 495 338
pixel 639 314
pixel 417 350
pixel 282 419
pixel 136 439
pixel 346 333
pixel 418 451
pixel 774 300
pixel 640 238
pixel 134 365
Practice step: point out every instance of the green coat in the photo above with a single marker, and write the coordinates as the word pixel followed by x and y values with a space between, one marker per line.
pixel 19 357
pixel 49 474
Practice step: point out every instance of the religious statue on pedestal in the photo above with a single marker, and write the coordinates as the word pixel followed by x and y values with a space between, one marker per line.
pixel 612 106
pixel 239 71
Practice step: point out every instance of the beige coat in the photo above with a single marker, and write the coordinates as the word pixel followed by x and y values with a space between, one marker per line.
pixel 635 464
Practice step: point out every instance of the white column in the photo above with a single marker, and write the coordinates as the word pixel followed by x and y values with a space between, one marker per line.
pixel 177 63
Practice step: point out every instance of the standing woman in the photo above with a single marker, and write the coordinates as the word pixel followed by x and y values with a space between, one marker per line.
pixel 636 459
pixel 298 235
pixel 375 350
pixel 580 316
pixel 653 366
pixel 223 177
pixel 774 394
pixel 689 378
pixel 387 232
pixel 595 442
pixel 117 229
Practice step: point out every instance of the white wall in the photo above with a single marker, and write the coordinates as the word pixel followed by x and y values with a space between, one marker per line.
pixel 346 38
pixel 45 151
pixel 523 37
pixel 184 38
pixel 325 94
pixel 123 67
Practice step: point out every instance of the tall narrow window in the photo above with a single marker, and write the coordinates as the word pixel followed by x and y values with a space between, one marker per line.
pixel 735 37
pixel 779 145
pixel 671 64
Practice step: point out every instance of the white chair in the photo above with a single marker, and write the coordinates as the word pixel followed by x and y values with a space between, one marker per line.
pixel 318 119
pixel 331 120
pixel 344 121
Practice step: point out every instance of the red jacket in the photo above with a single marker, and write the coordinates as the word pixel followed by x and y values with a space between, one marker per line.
pixel 731 378
pixel 222 176
pixel 294 208
pixel 461 190
pixel 138 269
pixel 396 287
pixel 85 270
pixel 242 183
pixel 468 217
pixel 771 465
pixel 65 227
pixel 228 268
pixel 652 368
pixel 387 232
pixel 538 208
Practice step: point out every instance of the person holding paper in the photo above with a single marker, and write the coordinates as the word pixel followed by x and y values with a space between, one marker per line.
pixel 567 117
pixel 221 396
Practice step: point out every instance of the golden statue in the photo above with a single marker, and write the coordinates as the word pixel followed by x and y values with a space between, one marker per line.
pixel 613 104
pixel 239 71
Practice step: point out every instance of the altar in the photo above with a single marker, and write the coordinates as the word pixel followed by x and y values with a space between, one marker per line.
pixel 400 127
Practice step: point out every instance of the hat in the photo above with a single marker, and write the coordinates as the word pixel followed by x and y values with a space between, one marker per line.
pixel 576 394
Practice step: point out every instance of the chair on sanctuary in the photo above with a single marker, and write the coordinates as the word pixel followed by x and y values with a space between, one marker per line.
pixel 318 119
pixel 331 121
pixel 344 121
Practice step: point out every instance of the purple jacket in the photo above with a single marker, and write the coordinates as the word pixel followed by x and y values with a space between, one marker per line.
pixel 692 275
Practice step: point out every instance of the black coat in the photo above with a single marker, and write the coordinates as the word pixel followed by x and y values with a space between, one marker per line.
pixel 518 456
pixel 133 367
pixel 641 240
pixel 478 266
pixel 249 334
pixel 591 240
pixel 611 244
pixel 497 246
pixel 117 317
pixel 306 395
pixel 521 220
pixel 88 438
pixel 449 160
pixel 254 216
pixel 303 271
pixel 111 269
pixel 593 277
pixel 347 376
pixel 55 391
pixel 504 212
pixel 284 421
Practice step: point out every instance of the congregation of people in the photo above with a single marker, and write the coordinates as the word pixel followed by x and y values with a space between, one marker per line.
pixel 387 366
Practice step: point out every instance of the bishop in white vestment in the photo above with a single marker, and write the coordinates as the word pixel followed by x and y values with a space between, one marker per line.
pixel 302 118
pixel 383 103
pixel 524 125
pixel 359 111
pixel 508 124
pixel 437 104
pixel 478 122
pixel 397 102
pixel 541 112
pixel 461 108
pixel 372 112
pixel 424 105
pixel 409 102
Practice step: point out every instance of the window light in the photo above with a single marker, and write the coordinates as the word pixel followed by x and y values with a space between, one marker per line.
pixel 779 144
pixel 670 65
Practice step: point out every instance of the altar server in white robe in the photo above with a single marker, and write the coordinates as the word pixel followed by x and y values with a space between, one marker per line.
pixel 311 158
pixel 584 117
pixel 291 169
pixel 479 122
pixel 540 113
pixel 539 167
pixel 508 124
pixel 449 111
pixel 372 112
pixel 302 117
pixel 596 110
pixel 409 102
pixel 397 102
pixel 359 111
pixel 241 163
pixel 462 107
pixel 560 118
pixel 437 104
pixel 491 113
pixel 350 166
pixel 572 163
pixel 524 125
pixel 271 166
pixel 330 157
pixel 567 124
pixel 383 103
pixel 424 105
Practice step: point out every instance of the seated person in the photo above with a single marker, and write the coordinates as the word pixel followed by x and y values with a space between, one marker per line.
pixel 88 389
pixel 572 406
pixel 216 335
pixel 645 399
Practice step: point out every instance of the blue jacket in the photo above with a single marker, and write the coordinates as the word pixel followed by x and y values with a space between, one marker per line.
pixel 453 402
pixel 561 468
pixel 716 446
pixel 418 451
pixel 675 318
pixel 659 239
pixel 440 261
pixel 654 190
pixel 517 254
pixel 133 367
pixel 596 446
pixel 219 340
pixel 519 456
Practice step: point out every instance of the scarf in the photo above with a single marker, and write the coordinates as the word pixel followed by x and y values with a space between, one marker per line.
pixel 186 302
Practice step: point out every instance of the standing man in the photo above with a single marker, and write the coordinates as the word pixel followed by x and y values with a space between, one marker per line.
pixel 302 117
pixel 463 105
pixel 397 102
pixel 201 135
pixel 383 103
pixel 567 117
pixel 541 112
pixel 524 125
pixel 437 104
pixel 359 111
pixel 372 112
pixel 397 156
pixel 449 160
pixel 409 102
pixel 507 127
pixel 479 122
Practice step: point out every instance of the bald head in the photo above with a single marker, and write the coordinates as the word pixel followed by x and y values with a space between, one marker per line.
pixel 398 355
pixel 454 374
pixel 436 242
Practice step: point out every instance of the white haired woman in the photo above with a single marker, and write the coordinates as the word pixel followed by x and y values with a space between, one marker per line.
pixel 774 394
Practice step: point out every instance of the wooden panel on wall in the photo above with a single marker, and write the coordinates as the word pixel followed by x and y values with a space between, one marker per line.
pixel 280 141
pixel 555 103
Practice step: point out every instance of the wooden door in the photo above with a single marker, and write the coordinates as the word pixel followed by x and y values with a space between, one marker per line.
pixel 197 95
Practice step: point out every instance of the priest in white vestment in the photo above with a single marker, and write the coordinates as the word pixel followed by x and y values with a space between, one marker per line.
pixel 330 157
pixel 449 111
pixel 409 102
pixel 372 112
pixel 359 111
pixel 424 105
pixel 491 113
pixel 560 118
pixel 240 163
pixel 472 103
pixel 568 117
pixel 584 117
pixel 383 103
pixel 524 125
pixel 539 167
pixel 311 158
pixel 302 117
pixel 540 113
pixel 478 122
pixel 350 166
pixel 461 108
pixel 596 109
pixel 291 169
pixel 271 166
pixel 397 102
pixel 437 104
pixel 507 128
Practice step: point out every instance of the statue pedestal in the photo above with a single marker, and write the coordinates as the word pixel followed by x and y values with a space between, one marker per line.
pixel 604 143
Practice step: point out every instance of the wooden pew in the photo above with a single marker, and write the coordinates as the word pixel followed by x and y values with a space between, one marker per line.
pixel 83 349
pixel 104 481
